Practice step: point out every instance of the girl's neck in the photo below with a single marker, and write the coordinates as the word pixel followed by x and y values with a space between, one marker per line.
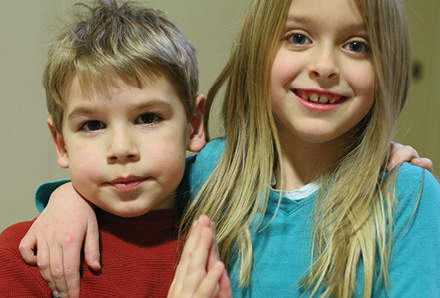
pixel 304 162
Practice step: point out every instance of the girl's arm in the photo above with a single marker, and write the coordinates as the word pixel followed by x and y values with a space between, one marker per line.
pixel 58 233
pixel 200 272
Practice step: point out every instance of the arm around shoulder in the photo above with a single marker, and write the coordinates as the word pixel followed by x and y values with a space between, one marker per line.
pixel 17 278
pixel 415 258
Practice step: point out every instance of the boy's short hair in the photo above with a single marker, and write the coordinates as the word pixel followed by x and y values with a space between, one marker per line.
pixel 124 41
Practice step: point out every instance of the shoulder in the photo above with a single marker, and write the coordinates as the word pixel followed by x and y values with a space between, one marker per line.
pixel 210 154
pixel 18 278
pixel 418 203
pixel 414 183
pixel 416 234
pixel 11 236
pixel 200 166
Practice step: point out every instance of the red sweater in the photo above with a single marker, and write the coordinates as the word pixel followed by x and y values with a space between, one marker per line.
pixel 138 259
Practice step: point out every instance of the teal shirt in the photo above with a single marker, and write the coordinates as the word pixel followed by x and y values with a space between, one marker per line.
pixel 282 250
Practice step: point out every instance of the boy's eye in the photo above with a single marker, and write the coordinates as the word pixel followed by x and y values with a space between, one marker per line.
pixel 147 118
pixel 299 39
pixel 93 125
pixel 356 47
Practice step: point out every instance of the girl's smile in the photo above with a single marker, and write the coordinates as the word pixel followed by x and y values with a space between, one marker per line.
pixel 322 76
pixel 316 100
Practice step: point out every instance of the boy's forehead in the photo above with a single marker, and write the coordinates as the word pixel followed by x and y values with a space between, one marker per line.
pixel 110 82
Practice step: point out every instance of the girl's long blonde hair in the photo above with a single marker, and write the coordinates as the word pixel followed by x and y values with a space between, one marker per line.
pixel 353 209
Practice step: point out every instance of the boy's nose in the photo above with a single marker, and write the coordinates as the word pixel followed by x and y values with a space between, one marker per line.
pixel 324 66
pixel 122 148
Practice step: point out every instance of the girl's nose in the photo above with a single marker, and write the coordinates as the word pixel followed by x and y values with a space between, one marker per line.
pixel 324 66
pixel 122 148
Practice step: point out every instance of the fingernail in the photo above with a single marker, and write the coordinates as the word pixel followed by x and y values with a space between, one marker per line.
pixel 202 233
pixel 390 165
pixel 416 161
pixel 96 263
pixel 213 227
pixel 56 294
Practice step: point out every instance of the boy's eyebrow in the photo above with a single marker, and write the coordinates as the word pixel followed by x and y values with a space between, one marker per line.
pixel 155 102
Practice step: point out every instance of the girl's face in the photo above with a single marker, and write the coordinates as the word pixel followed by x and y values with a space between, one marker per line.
pixel 322 76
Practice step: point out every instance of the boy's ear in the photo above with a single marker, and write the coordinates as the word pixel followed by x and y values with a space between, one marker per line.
pixel 197 138
pixel 60 146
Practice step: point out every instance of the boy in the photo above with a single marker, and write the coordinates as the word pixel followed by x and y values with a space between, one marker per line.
pixel 121 87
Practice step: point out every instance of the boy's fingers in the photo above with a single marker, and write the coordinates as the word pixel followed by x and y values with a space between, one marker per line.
pixel 400 153
pixel 26 248
pixel 425 163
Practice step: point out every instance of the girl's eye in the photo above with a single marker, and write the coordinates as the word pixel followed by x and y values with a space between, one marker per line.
pixel 357 47
pixel 92 125
pixel 147 118
pixel 299 39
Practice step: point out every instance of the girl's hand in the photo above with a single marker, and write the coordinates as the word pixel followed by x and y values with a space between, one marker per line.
pixel 400 153
pixel 58 233
pixel 200 272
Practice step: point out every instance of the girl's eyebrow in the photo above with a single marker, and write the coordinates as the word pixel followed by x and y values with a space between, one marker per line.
pixel 305 20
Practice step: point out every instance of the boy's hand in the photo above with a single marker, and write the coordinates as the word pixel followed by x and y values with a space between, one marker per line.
pixel 400 153
pixel 200 272
pixel 58 234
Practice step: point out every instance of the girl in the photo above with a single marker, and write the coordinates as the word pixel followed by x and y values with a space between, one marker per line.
pixel 313 90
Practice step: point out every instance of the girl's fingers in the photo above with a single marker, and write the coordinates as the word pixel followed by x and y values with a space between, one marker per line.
pixel 43 263
pixel 91 246
pixel 214 255
pixel 191 270
pixel 209 287
pixel 197 265
pixel 26 248
pixel 71 266
pixel 56 266
pixel 225 286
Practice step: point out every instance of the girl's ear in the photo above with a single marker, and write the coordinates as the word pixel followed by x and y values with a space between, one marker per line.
pixel 60 146
pixel 197 138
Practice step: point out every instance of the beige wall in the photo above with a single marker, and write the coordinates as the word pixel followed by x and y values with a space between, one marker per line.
pixel 27 157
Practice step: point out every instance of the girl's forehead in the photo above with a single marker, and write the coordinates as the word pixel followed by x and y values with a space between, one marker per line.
pixel 328 8
pixel 326 15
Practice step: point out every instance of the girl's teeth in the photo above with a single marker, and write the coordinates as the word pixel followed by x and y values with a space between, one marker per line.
pixel 314 97
pixel 323 99
pixel 318 99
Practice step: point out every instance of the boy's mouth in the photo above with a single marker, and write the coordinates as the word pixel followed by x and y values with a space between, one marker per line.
pixel 128 183
pixel 319 97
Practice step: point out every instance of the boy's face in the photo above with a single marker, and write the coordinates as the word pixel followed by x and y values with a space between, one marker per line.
pixel 126 149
